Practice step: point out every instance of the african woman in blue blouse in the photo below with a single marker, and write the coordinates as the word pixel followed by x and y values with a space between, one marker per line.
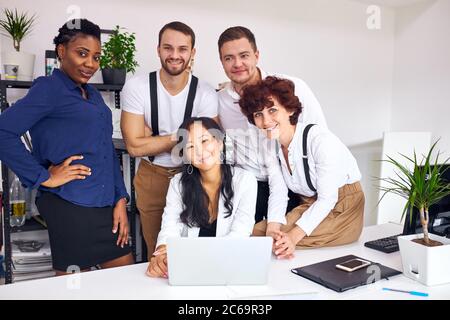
pixel 81 195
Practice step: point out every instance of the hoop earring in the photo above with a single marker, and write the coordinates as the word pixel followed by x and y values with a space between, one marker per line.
pixel 190 169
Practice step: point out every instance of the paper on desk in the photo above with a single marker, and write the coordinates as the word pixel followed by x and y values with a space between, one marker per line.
pixel 268 293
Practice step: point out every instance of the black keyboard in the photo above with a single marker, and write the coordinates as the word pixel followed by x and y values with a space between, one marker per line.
pixel 386 245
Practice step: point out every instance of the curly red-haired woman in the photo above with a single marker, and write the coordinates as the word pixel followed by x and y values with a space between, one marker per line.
pixel 316 166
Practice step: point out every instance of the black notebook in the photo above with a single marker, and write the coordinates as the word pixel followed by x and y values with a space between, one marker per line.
pixel 326 274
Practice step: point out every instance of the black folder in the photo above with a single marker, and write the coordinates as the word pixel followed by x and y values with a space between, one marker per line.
pixel 326 274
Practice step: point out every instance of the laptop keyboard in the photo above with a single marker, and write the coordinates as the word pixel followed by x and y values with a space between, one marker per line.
pixel 386 245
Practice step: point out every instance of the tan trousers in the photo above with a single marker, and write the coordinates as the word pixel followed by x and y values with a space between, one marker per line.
pixel 343 224
pixel 151 183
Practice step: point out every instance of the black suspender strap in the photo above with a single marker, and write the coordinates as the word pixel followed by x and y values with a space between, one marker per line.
pixel 154 103
pixel 190 98
pixel 305 157
pixel 154 106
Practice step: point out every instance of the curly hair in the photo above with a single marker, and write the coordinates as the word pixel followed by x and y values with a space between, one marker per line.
pixel 258 96
pixel 72 29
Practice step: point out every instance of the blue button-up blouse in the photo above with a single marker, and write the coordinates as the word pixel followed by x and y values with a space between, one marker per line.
pixel 62 123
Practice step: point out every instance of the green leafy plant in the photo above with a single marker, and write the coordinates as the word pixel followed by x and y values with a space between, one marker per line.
pixel 422 186
pixel 118 52
pixel 18 26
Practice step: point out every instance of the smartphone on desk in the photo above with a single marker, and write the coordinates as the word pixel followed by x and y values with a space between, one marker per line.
pixel 353 265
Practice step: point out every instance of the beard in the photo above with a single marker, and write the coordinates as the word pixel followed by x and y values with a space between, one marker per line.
pixel 174 72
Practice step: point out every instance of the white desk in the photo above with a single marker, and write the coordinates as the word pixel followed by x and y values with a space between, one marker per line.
pixel 131 282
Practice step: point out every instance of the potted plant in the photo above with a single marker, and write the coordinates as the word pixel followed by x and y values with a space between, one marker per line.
pixel 18 26
pixel 118 57
pixel 425 256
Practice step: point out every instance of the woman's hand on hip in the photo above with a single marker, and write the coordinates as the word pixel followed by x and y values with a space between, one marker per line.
pixel 66 172
pixel 120 222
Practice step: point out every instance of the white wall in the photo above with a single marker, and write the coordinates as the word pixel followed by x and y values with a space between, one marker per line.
pixel 421 99
pixel 325 42
pixel 397 145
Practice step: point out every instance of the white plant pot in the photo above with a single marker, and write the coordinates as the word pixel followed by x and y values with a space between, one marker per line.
pixel 24 60
pixel 428 265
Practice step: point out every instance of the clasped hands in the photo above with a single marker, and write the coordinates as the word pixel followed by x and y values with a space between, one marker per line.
pixel 158 263
pixel 284 242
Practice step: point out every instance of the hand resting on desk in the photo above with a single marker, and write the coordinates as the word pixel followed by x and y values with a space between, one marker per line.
pixel 284 242
pixel 158 263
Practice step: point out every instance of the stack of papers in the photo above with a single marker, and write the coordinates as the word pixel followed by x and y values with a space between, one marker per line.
pixel 31 255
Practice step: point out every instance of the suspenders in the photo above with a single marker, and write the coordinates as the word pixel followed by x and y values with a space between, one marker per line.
pixel 154 103
pixel 305 157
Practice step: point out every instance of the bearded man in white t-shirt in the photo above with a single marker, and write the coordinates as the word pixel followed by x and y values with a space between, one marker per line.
pixel 153 107
pixel 239 56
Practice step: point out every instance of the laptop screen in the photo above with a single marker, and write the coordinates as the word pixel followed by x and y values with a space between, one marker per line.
pixel 219 260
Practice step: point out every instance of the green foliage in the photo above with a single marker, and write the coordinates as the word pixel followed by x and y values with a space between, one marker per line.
pixel 423 186
pixel 18 26
pixel 118 52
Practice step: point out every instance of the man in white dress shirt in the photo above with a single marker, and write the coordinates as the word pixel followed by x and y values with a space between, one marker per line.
pixel 239 56
pixel 160 102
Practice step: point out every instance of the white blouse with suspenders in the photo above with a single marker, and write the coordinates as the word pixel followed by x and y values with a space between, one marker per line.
pixel 320 165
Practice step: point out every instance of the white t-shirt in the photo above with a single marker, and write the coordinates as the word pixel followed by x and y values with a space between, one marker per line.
pixel 136 99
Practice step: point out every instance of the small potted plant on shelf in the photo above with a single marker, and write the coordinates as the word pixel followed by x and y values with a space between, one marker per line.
pixel 118 57
pixel 426 256
pixel 18 26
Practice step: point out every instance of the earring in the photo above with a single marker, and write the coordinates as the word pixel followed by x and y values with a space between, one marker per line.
pixel 190 169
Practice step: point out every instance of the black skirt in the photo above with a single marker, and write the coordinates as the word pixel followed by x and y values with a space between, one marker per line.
pixel 80 237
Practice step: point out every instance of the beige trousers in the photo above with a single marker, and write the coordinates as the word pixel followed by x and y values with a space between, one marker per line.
pixel 343 224
pixel 151 183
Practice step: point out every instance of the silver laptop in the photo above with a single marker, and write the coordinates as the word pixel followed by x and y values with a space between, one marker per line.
pixel 219 261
